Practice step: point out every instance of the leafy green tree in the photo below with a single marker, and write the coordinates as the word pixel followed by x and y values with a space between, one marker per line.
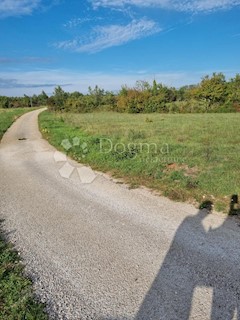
pixel 234 89
pixel 124 91
pixel 212 90
pixel 59 98
pixel 4 102
pixel 96 96
pixel 42 99
pixel 75 95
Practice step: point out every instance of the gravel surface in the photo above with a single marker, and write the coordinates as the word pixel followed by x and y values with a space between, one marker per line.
pixel 101 251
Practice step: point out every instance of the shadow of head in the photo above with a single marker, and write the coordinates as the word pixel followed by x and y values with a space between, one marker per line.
pixel 207 205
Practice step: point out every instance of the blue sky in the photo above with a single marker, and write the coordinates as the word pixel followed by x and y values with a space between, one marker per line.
pixel 110 43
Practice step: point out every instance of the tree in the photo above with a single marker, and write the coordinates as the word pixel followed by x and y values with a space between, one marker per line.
pixel 59 97
pixel 75 95
pixel 96 95
pixel 142 85
pixel 123 91
pixel 212 89
pixel 4 102
pixel 42 99
pixel 234 89
pixel 154 88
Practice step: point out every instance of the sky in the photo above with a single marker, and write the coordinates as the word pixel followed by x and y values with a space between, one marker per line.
pixel 110 43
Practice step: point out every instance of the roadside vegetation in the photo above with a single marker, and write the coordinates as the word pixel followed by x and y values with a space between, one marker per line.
pixel 16 296
pixel 191 157
pixel 24 102
pixel 8 116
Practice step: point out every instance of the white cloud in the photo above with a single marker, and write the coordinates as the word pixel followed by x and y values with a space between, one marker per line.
pixel 113 35
pixel 207 5
pixel 76 22
pixel 185 5
pixel 13 8
pixel 121 3
pixel 17 7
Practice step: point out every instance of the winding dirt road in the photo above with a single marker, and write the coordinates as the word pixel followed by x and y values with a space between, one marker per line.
pixel 101 251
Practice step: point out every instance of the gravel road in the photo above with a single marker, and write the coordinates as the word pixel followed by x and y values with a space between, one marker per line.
pixel 101 251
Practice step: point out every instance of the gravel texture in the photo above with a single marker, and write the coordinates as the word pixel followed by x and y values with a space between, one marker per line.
pixel 102 251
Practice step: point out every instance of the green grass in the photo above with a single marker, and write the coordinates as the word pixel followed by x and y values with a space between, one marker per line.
pixel 8 116
pixel 192 156
pixel 16 296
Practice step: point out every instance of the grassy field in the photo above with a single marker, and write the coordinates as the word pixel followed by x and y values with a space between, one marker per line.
pixel 7 116
pixel 16 296
pixel 191 157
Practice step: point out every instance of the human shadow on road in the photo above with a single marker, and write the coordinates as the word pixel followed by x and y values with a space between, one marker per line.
pixel 197 258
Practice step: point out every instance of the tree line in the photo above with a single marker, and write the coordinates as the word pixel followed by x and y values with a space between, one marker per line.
pixel 25 101
pixel 213 94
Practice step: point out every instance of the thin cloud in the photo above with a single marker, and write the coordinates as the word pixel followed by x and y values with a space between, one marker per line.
pixel 14 8
pixel 208 5
pixel 24 60
pixel 76 22
pixel 112 35
pixel 185 5
pixel 10 8
pixel 14 83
